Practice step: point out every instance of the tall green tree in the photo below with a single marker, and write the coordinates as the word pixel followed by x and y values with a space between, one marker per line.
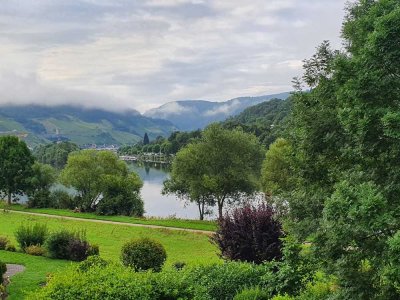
pixel 88 170
pixel 16 163
pixel 146 140
pixel 43 177
pixel 222 165
pixel 345 135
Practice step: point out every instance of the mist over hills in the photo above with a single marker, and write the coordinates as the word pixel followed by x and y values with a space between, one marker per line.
pixel 195 114
pixel 42 124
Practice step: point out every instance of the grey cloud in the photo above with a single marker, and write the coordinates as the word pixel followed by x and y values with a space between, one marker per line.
pixel 140 54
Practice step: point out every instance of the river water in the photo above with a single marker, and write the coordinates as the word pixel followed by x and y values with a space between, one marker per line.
pixel 156 204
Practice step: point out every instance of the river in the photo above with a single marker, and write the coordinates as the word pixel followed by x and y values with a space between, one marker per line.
pixel 156 204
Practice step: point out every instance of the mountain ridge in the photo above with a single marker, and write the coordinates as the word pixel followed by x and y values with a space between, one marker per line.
pixel 196 114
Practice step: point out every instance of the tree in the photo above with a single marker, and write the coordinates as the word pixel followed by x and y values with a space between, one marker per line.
pixel 121 196
pixel 222 164
pixel 345 134
pixel 88 170
pixel 55 154
pixel 146 140
pixel 15 167
pixel 43 177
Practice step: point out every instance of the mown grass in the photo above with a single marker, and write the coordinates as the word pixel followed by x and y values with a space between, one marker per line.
pixel 192 248
pixel 178 223
pixel 37 268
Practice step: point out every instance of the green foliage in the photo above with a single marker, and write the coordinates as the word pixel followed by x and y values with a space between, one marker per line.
pixel 344 169
pixel 93 173
pixel 4 241
pixel 143 254
pixel 252 294
pixel 220 282
pixel 266 120
pixel 277 173
pixel 44 176
pixel 92 262
pixel 121 196
pixel 10 248
pixel 3 269
pixel 222 165
pixel 35 250
pixel 15 167
pixel 61 199
pixel 30 235
pixel 55 154
pixel 65 244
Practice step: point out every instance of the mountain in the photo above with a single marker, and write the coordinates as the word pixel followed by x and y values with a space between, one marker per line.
pixel 38 124
pixel 266 120
pixel 195 114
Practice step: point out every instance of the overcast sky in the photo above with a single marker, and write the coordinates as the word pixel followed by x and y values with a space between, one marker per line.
pixel 121 54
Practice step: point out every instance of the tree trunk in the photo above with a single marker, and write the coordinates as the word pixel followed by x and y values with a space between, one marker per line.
pixel 200 205
pixel 9 198
pixel 220 206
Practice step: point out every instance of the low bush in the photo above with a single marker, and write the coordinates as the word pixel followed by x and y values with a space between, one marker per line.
pixel 69 245
pixel 219 282
pixel 28 235
pixel 252 294
pixel 3 269
pixel 35 250
pixel 41 199
pixel 143 254
pixel 92 262
pixel 250 234
pixel 11 248
pixel 179 265
pixel 93 250
pixel 57 244
pixel 3 242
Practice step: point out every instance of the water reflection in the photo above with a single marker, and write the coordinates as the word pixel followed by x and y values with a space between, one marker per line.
pixel 155 204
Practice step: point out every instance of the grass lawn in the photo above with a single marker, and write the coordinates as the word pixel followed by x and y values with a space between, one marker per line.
pixel 35 273
pixel 192 248
pixel 179 223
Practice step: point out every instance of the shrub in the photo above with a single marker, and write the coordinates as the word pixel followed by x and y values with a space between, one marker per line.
pixel 28 235
pixel 3 269
pixel 3 242
pixel 179 265
pixel 93 250
pixel 252 294
pixel 40 199
pixel 91 262
pixel 68 245
pixel 250 234
pixel 78 249
pixel 10 248
pixel 143 254
pixel 3 293
pixel 57 244
pixel 61 199
pixel 126 205
pixel 219 282
pixel 35 250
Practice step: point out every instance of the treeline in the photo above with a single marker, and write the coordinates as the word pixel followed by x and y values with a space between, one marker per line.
pixel 102 182
pixel 171 145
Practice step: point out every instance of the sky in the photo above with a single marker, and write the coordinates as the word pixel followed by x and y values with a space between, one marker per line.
pixel 127 54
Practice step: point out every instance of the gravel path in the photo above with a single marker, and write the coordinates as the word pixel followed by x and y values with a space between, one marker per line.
pixel 13 269
pixel 112 222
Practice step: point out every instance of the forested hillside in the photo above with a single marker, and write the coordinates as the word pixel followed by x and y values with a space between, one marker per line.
pixel 42 124
pixel 266 120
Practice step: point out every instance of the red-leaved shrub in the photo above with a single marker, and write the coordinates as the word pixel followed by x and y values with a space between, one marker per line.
pixel 250 233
